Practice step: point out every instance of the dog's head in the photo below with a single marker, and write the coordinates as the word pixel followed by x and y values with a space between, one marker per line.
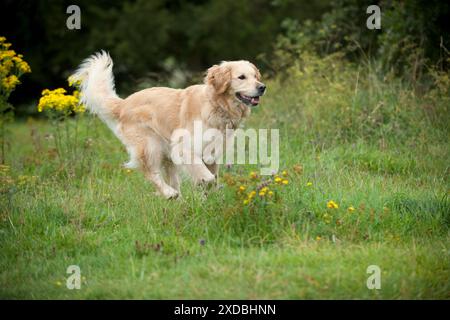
pixel 238 79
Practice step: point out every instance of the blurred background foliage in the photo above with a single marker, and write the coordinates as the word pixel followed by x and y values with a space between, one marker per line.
pixel 162 42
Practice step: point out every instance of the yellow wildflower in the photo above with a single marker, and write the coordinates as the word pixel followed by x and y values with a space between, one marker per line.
pixel 59 101
pixel 7 54
pixel 23 67
pixel 73 83
pixel 285 182
pixel 284 173
pixel 278 179
pixel 12 67
pixel 253 175
pixel 242 188
pixel 351 209
pixel 9 83
pixel 309 184
pixel 332 205
pixel 80 108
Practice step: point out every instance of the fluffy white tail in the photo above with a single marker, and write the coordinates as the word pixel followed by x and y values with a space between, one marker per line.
pixel 97 88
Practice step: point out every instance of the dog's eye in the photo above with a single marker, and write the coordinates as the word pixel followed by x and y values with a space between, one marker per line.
pixel 242 77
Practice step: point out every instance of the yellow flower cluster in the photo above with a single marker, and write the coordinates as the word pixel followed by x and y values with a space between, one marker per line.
pixel 265 191
pixel 59 101
pixel 262 189
pixel 21 65
pixel 253 175
pixel 332 205
pixel 281 181
pixel 250 197
pixel 73 82
pixel 330 215
pixel 10 83
pixel 12 66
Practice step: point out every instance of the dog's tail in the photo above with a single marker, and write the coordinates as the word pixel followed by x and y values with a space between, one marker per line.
pixel 96 82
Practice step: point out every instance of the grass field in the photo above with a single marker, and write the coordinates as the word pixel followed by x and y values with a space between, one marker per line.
pixel 346 134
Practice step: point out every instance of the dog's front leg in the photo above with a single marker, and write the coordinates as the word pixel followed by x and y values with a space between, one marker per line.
pixel 214 169
pixel 173 177
pixel 213 153
pixel 193 163
pixel 199 172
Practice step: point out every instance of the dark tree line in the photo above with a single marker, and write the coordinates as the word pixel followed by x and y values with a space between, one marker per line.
pixel 143 36
pixel 149 38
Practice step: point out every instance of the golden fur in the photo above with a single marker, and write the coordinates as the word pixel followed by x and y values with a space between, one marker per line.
pixel 146 120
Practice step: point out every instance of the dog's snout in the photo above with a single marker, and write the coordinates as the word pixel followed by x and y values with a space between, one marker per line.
pixel 261 88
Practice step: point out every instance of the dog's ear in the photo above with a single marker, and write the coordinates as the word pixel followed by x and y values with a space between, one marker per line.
pixel 258 74
pixel 219 77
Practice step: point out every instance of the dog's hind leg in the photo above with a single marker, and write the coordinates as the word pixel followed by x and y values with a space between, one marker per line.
pixel 151 157
pixel 133 162
pixel 172 174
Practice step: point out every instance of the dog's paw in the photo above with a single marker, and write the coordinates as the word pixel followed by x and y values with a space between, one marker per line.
pixel 208 180
pixel 171 194
pixel 131 164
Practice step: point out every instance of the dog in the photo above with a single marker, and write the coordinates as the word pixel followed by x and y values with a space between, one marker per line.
pixel 145 121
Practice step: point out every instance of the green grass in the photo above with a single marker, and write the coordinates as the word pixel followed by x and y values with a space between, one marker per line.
pixel 368 144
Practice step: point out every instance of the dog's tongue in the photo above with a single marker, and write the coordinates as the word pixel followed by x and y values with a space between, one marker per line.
pixel 255 100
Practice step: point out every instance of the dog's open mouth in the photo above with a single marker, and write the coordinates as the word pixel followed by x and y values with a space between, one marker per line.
pixel 253 101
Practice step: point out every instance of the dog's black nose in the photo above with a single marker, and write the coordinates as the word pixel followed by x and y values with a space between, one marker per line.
pixel 262 88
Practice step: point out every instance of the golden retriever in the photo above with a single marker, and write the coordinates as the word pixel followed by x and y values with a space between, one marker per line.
pixel 146 120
